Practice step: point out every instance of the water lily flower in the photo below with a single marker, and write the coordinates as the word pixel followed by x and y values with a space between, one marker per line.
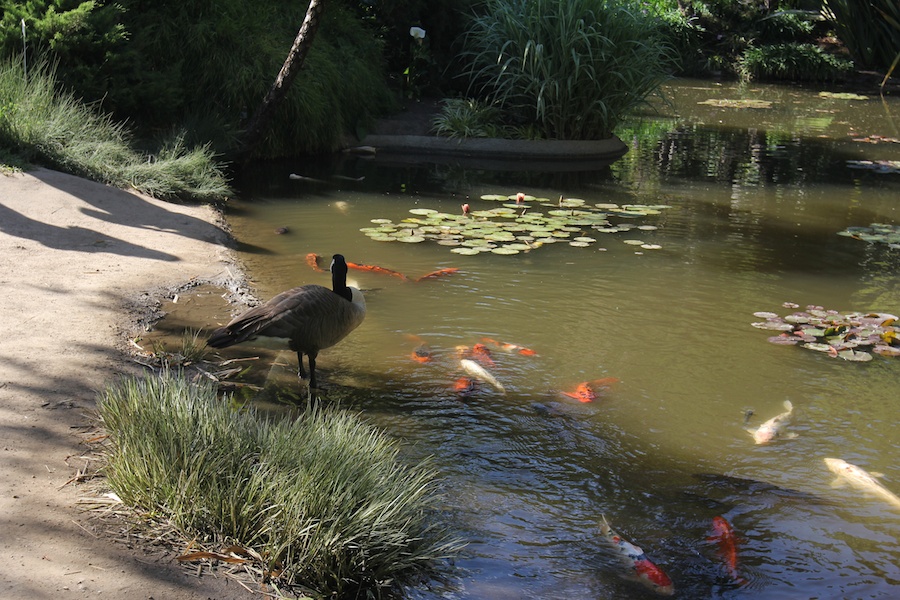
pixel 417 33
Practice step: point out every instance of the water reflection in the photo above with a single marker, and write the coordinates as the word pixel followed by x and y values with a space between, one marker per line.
pixel 757 198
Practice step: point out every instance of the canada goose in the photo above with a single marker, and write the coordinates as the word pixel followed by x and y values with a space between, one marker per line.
pixel 309 318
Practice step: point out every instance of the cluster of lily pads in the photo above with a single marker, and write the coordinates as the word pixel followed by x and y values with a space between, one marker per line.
pixel 876 233
pixel 516 226
pixel 852 336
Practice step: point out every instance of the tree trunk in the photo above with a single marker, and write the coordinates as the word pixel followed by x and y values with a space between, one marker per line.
pixel 259 122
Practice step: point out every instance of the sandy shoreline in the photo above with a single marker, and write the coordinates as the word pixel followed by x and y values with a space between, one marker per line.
pixel 74 256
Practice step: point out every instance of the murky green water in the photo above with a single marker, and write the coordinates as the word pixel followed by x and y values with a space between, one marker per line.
pixel 757 198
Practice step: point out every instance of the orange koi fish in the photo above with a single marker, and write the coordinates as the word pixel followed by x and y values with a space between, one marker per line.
pixel 376 269
pixel 421 353
pixel 585 390
pixel 723 535
pixel 464 386
pixel 439 273
pixel 510 347
pixel 312 259
pixel 639 568
pixel 483 355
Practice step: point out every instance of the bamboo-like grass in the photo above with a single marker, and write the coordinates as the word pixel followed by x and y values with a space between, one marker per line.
pixel 41 124
pixel 870 29
pixel 573 68
pixel 323 498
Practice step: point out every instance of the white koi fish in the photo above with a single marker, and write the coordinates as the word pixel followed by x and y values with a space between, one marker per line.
pixel 640 568
pixel 478 372
pixel 774 427
pixel 860 479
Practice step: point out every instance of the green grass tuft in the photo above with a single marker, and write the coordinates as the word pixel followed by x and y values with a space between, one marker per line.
pixel 323 498
pixel 42 125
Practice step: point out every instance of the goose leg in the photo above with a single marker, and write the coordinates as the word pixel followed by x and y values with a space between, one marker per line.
pixel 312 370
pixel 301 372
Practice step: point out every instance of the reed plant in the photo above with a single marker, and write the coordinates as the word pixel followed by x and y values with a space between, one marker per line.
pixel 573 68
pixel 467 118
pixel 42 124
pixel 870 29
pixel 323 498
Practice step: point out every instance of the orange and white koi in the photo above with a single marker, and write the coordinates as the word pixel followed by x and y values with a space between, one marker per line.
pixel 376 269
pixel 584 392
pixel 439 273
pixel 312 259
pixel 483 355
pixel 774 427
pixel 507 347
pixel 478 372
pixel 639 567
pixel 723 536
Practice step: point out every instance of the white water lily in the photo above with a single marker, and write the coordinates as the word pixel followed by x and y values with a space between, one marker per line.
pixel 418 33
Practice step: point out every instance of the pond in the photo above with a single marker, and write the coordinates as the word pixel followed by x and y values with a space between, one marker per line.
pixel 749 198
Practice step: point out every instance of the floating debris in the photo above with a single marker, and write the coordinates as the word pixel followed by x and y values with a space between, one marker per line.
pixel 743 103
pixel 843 96
pixel 879 166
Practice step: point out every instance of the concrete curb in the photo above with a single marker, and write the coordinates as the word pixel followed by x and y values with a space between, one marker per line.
pixel 498 153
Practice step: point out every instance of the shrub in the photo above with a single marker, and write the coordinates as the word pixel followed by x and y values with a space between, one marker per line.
pixel 467 118
pixel 794 62
pixel 323 498
pixel 572 68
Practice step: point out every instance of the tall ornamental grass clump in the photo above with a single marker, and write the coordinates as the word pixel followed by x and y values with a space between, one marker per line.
pixel 870 29
pixel 38 123
pixel 323 498
pixel 572 68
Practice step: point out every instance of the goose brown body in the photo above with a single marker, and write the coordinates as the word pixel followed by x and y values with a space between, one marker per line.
pixel 308 318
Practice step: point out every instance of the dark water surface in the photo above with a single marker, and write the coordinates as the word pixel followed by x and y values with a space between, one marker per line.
pixel 757 197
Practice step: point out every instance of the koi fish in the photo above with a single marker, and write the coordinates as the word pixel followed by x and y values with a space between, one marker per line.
pixel 510 347
pixel 376 269
pixel 439 273
pixel 723 535
pixel 860 479
pixel 774 427
pixel 483 355
pixel 422 352
pixel 312 259
pixel 464 386
pixel 585 390
pixel 480 373
pixel 641 569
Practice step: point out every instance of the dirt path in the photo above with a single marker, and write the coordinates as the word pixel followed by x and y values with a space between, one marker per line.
pixel 73 254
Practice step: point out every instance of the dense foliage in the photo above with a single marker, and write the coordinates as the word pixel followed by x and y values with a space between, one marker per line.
pixel 568 69
pixel 204 66
pixel 758 39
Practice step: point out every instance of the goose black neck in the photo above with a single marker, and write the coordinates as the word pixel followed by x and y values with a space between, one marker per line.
pixel 339 277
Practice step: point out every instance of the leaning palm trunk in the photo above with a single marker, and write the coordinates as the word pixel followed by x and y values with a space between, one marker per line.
pixel 258 124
